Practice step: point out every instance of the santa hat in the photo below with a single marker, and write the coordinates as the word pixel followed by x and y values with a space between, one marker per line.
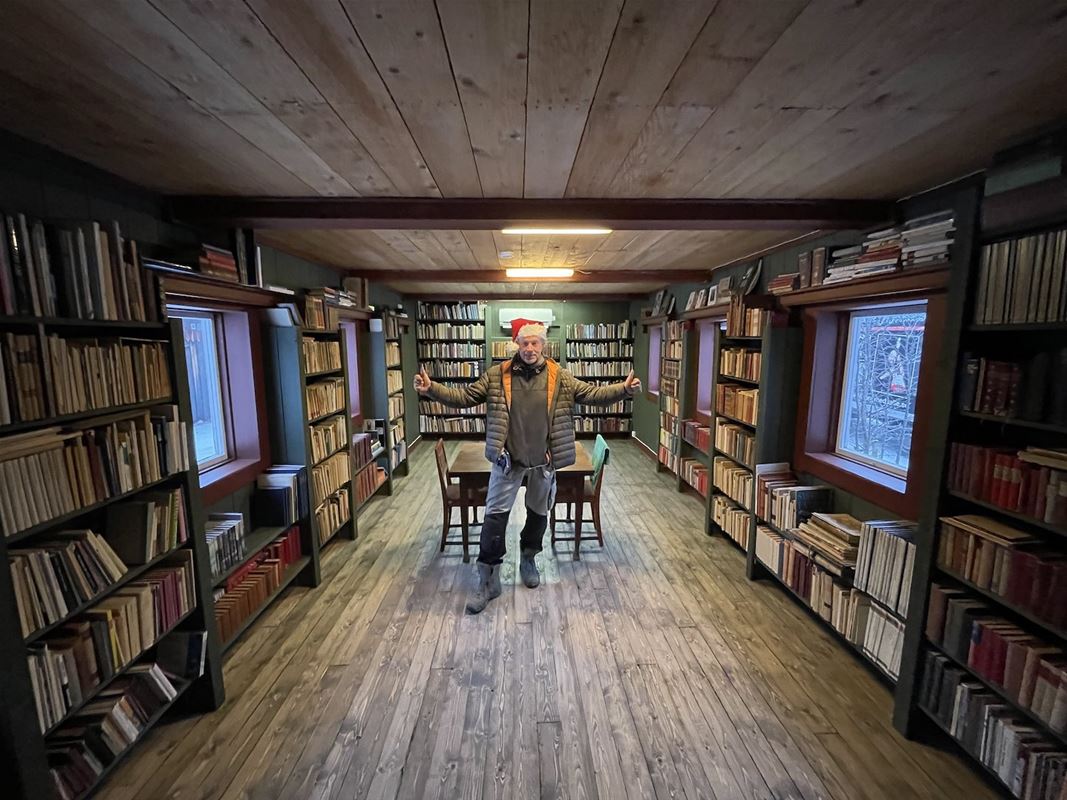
pixel 528 327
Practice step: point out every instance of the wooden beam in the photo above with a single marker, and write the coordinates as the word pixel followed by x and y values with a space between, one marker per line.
pixel 449 298
pixel 408 213
pixel 659 276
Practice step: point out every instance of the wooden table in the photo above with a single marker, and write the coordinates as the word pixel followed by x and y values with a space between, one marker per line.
pixel 471 467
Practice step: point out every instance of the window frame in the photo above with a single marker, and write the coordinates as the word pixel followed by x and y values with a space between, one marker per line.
pixel 218 327
pixel 818 415
pixel 352 329
pixel 709 361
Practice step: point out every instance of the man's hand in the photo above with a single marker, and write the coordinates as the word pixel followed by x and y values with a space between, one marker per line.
pixel 632 384
pixel 422 381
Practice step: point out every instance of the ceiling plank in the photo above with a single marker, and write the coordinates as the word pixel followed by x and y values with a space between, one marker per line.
pixel 733 40
pixel 238 41
pixel 320 38
pixel 156 42
pixel 404 39
pixel 484 248
pixel 495 213
pixel 492 275
pixel 487 46
pixel 650 42
pixel 569 43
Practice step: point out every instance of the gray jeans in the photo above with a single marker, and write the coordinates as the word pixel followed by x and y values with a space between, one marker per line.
pixel 503 489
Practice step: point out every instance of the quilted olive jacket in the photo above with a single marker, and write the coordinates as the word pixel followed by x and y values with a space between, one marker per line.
pixel 494 389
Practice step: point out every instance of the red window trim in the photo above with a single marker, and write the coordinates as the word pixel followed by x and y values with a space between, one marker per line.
pixel 822 368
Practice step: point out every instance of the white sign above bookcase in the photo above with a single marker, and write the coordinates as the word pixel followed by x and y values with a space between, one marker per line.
pixel 544 315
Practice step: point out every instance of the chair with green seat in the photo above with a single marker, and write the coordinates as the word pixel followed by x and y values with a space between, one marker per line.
pixel 590 495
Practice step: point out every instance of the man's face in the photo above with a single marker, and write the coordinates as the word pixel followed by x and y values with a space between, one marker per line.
pixel 530 349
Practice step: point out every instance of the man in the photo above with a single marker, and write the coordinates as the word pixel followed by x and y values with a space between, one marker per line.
pixel 529 434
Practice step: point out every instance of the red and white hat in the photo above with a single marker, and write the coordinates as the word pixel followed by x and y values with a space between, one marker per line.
pixel 521 327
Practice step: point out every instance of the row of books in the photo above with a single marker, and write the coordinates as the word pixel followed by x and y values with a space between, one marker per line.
pixel 737 402
pixel 455 424
pixel 320 355
pixel 921 242
pixel 465 312
pixel 49 473
pixel 744 321
pixel 60 575
pixel 671 370
pixel 394 381
pixel 695 473
pixel 601 330
pixel 1016 389
pixel 1029 763
pixel 885 562
pixel 740 362
pixel 329 476
pixel 392 354
pixel 789 503
pixel 1032 482
pixel 673 332
pixel 327 437
pixel 282 496
pixel 225 533
pixel 731 519
pixel 601 424
pixel 624 406
pixel 1026 669
pixel 363 445
pixel 735 440
pixel 334 512
pixel 834 538
pixel 325 397
pixel 668 388
pixel 320 315
pixel 501 349
pixel 668 453
pixel 579 350
pixel 600 369
pixel 393 323
pixel 449 330
pixel 732 480
pixel 673 348
pixel 1023 280
pixel 71 662
pixel 1009 563
pixel 697 434
pixel 367 481
pixel 454 369
pixel 82 270
pixel 80 752
pixel 669 438
pixel 451 350
pixel 669 404
pixel 249 587
pixel 218 262
pixel 435 408
pixel 396 406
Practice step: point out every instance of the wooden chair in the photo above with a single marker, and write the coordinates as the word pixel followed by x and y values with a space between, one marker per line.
pixel 451 498
pixel 590 494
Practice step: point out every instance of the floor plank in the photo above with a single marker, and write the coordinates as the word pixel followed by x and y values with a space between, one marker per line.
pixel 649 668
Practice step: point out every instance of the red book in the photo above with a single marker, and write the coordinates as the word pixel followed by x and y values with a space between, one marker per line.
pixel 987 474
pixel 996 491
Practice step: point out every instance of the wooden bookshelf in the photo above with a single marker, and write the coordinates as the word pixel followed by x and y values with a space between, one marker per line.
pixel 603 421
pixel 672 345
pixel 451 323
pixel 21 737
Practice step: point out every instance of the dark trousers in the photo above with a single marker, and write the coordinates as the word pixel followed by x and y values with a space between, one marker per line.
pixel 493 546
pixel 503 489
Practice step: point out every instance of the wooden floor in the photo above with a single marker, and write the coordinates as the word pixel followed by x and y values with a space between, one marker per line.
pixel 650 668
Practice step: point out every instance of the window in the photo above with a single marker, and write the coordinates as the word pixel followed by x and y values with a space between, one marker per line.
pixel 351 333
pixel 867 385
pixel 705 364
pixel 880 386
pixel 205 356
pixel 655 339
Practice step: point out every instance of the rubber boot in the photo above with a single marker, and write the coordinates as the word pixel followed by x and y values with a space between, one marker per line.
pixel 528 569
pixel 488 588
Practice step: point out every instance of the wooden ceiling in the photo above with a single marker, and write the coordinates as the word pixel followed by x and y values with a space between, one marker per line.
pixel 532 98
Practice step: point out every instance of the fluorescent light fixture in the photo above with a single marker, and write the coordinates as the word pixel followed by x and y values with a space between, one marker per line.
pixel 556 231
pixel 543 272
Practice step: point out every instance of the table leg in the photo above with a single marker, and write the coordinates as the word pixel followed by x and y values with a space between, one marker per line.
pixel 578 505
pixel 464 524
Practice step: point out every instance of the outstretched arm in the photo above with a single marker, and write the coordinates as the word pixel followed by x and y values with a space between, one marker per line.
pixel 471 395
pixel 604 395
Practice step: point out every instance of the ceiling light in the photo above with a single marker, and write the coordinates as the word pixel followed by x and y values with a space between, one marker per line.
pixel 544 272
pixel 557 231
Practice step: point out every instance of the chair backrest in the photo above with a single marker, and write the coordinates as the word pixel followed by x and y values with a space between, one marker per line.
pixel 601 451
pixel 442 466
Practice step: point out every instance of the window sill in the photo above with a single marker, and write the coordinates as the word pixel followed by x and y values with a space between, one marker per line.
pixel 881 488
pixel 650 395
pixel 225 479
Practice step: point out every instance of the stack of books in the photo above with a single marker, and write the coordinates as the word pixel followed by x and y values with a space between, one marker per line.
pixel 879 254
pixel 697 434
pixel 327 437
pixel 735 440
pixel 218 262
pixel 463 312
pixel 927 241
pixel 733 481
pixel 695 473
pixel 1028 762
pixel 834 537
pixel 1023 280
pixel 843 261
pixel 84 270
pixel 885 562
pixel 740 362
pixel 737 402
pixel 281 497
pixel 334 512
pixel 1032 482
pixel 731 519
pixel 249 587
pixel 325 397
pixel 367 482
pixel 225 533
pixel 784 284
pixel 328 476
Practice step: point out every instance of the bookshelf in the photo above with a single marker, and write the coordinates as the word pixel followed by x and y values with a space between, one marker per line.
pixel 670 381
pixel 1008 301
pixel 453 345
pixel 22 737
pixel 396 440
pixel 695 425
pixel 384 404
pixel 601 353
pixel 302 405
